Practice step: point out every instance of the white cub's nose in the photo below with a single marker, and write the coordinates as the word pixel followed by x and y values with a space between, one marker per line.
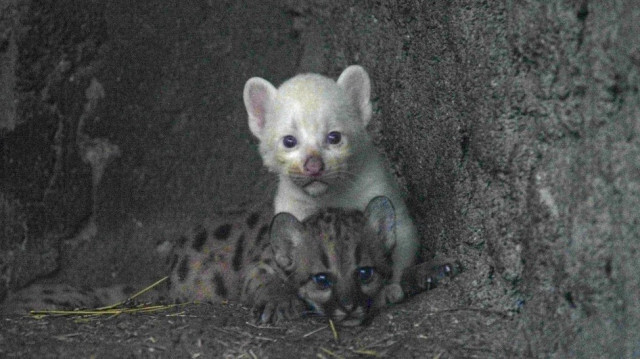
pixel 313 166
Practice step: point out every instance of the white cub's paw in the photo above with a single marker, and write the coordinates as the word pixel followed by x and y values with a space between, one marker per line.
pixel 393 293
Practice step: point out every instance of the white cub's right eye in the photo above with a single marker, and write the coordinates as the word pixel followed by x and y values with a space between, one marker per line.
pixel 334 137
pixel 289 141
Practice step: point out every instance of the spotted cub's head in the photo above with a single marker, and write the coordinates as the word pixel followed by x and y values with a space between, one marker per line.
pixel 310 128
pixel 339 259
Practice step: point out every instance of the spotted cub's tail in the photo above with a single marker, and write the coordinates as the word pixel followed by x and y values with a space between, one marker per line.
pixel 47 297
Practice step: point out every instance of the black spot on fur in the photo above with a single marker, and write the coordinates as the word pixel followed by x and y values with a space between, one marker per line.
pixel 47 291
pixel 262 234
pixel 220 288
pixel 222 232
pixel 338 232
pixel 288 272
pixel 236 261
pixel 181 241
pixel 183 270
pixel 253 219
pixel 325 259
pixel 327 218
pixel 174 261
pixel 358 253
pixel 199 239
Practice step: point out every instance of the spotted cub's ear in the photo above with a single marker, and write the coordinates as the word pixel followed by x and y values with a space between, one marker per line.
pixel 259 95
pixel 355 82
pixel 285 235
pixel 381 219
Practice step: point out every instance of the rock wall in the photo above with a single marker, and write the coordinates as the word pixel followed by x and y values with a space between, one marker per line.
pixel 127 128
pixel 45 188
pixel 515 128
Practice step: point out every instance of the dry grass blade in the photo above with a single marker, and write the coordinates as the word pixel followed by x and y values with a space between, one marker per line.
pixel 333 330
pixel 367 352
pixel 331 353
pixel 314 332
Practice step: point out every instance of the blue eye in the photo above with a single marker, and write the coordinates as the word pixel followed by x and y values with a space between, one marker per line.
pixel 334 137
pixel 365 274
pixel 289 141
pixel 321 280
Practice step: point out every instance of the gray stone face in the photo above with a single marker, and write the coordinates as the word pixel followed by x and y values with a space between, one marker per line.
pixel 520 131
pixel 514 128
pixel 8 55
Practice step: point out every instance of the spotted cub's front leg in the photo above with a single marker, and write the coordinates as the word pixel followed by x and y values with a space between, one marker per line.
pixel 271 298
pixel 426 276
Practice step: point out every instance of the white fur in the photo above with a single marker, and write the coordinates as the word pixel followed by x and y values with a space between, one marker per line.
pixel 308 107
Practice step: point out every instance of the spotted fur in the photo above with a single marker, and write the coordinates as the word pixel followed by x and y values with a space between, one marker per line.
pixel 334 263
pixel 212 264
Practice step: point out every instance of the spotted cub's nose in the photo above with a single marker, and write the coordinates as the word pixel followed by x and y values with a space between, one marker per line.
pixel 313 166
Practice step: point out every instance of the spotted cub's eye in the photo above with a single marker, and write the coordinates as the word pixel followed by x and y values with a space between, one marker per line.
pixel 321 280
pixel 334 137
pixel 289 141
pixel 365 274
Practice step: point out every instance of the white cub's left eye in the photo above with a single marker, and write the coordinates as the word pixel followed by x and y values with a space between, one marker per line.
pixel 289 141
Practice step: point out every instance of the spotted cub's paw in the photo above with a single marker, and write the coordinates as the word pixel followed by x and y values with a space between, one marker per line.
pixel 277 310
pixel 426 276
pixel 393 293
pixel 274 303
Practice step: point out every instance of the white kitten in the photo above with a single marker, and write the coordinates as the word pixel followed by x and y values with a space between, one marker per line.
pixel 312 133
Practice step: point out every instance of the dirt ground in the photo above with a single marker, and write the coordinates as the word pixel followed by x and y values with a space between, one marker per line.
pixel 430 325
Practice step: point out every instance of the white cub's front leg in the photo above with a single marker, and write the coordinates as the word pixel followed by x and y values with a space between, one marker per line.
pixel 404 253
pixel 312 133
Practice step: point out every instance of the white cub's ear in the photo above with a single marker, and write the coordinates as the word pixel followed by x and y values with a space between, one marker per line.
pixel 355 82
pixel 258 95
pixel 285 235
pixel 381 218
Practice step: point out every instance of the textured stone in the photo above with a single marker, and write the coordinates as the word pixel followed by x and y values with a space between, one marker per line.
pixel 515 128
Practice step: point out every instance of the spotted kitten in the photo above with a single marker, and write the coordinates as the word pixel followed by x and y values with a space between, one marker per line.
pixel 334 263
